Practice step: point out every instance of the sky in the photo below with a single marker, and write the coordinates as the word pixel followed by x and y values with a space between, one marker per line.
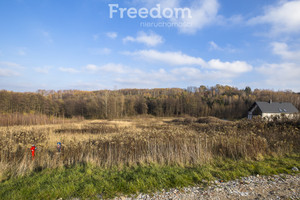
pixel 106 44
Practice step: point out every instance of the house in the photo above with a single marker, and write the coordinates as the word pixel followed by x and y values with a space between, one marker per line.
pixel 272 109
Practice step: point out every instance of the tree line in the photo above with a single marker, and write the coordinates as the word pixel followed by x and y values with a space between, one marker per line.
pixel 220 101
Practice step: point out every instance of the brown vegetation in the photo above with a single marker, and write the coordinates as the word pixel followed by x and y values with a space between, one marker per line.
pixel 14 119
pixel 141 141
pixel 224 102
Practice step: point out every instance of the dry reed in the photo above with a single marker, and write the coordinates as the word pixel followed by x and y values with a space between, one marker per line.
pixel 115 143
pixel 27 119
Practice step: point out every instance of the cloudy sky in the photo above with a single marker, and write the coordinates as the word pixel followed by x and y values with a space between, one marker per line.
pixel 105 44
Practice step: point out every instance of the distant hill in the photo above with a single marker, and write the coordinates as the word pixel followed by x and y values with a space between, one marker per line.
pixel 220 101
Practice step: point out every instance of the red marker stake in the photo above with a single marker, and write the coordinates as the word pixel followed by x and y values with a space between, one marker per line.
pixel 33 148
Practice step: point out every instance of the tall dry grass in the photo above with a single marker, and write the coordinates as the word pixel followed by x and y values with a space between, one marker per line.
pixel 27 119
pixel 142 141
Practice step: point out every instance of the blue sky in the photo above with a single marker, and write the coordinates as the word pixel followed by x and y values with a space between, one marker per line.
pixel 72 44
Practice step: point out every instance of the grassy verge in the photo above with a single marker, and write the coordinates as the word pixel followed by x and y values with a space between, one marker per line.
pixel 87 181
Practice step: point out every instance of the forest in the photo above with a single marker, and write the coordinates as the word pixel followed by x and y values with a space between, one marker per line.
pixel 123 150
pixel 224 102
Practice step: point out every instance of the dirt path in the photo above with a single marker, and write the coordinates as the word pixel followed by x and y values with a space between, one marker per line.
pixel 253 187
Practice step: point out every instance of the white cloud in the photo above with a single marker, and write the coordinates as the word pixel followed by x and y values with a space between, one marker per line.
pixel 91 67
pixel 178 58
pixel 203 13
pixel 235 19
pixel 152 3
pixel 10 64
pixel 171 58
pixel 283 17
pixel 10 69
pixel 140 79
pixel 233 67
pixel 189 73
pixel 196 75
pixel 173 77
pixel 43 70
pixel 100 51
pixel 282 49
pixel 8 72
pixel 110 67
pixel 112 35
pixel 282 76
pixel 123 74
pixel 150 39
pixel 214 46
pixel 68 70
pixel 163 77
pixel 285 74
pixel 185 70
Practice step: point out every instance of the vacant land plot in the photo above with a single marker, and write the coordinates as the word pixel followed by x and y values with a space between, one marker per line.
pixel 164 142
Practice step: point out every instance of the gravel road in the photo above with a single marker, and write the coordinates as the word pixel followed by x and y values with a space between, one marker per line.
pixel 253 187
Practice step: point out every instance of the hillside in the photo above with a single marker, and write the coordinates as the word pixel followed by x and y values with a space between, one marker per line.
pixel 224 102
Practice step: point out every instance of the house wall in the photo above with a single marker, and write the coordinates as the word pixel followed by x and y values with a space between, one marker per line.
pixel 270 115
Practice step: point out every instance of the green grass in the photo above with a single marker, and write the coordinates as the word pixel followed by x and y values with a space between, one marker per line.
pixel 87 181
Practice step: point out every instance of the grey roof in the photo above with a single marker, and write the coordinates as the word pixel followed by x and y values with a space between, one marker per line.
pixel 276 107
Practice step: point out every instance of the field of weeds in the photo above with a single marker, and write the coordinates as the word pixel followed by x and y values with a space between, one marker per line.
pixel 182 142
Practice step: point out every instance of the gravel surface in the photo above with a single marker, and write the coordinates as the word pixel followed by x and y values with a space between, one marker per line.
pixel 253 187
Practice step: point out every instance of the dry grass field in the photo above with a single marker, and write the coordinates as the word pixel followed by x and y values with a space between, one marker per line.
pixel 137 141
